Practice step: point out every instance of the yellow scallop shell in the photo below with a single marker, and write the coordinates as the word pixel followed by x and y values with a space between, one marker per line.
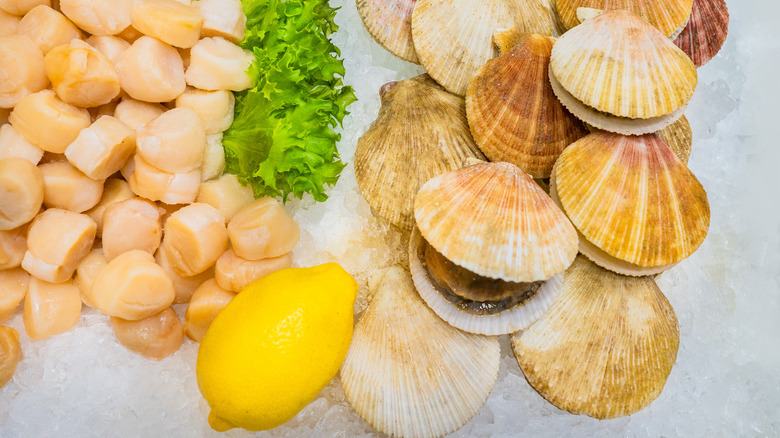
pixel 631 197
pixel 618 64
pixel 390 23
pixel 668 16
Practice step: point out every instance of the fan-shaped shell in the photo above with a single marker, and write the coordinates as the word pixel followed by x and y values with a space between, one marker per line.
pixel 514 115
pixel 632 198
pixel 421 132
pixel 679 137
pixel 453 38
pixel 668 16
pixel 390 23
pixel 706 31
pixel 618 64
pixel 605 347
pixel 506 321
pixel 410 374
pixel 493 220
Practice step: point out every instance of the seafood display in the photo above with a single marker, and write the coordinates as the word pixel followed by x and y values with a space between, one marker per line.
pixel 595 119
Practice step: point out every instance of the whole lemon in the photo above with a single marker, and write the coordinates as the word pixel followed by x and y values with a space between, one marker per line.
pixel 275 346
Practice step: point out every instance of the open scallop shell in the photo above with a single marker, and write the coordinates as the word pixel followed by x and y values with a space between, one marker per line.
pixel 453 38
pixel 410 374
pixel 514 115
pixel 421 132
pixel 633 199
pixel 501 323
pixel 605 347
pixel 706 31
pixel 679 137
pixel 494 220
pixel 668 16
pixel 390 23
pixel 644 76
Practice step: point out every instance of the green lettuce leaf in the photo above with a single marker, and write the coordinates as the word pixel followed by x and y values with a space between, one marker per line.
pixel 282 141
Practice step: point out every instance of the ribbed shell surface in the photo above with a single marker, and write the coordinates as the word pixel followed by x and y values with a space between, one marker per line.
pixel 605 347
pixel 679 137
pixel 421 132
pixel 410 374
pixel 632 197
pixel 706 31
pixel 513 113
pixel 667 16
pixel 390 23
pixel 453 38
pixel 493 220
pixel 617 63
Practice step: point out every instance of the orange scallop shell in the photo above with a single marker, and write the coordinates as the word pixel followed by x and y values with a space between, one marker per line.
pixel 513 113
pixel 493 220
pixel 632 197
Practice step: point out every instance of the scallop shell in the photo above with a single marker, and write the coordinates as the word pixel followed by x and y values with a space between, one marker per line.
pixel 408 373
pixel 421 132
pixel 514 115
pixel 390 23
pixel 706 31
pixel 501 323
pixel 668 16
pixel 679 137
pixel 633 199
pixel 453 38
pixel 605 347
pixel 642 76
pixel 493 220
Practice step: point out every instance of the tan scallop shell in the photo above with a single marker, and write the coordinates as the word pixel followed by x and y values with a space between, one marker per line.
pixel 605 347
pixel 421 132
pixel 632 198
pixel 679 137
pixel 410 374
pixel 668 16
pixel 617 63
pixel 390 23
pixel 514 115
pixel 706 31
pixel 453 38
pixel 493 220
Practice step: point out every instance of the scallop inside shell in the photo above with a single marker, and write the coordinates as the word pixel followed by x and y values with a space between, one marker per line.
pixel 492 219
pixel 605 347
pixel 421 132
pixel 453 38
pixel 390 23
pixel 631 85
pixel 638 208
pixel 410 374
pixel 513 113
pixel 668 16
pixel 510 306
pixel 489 248
pixel 706 31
